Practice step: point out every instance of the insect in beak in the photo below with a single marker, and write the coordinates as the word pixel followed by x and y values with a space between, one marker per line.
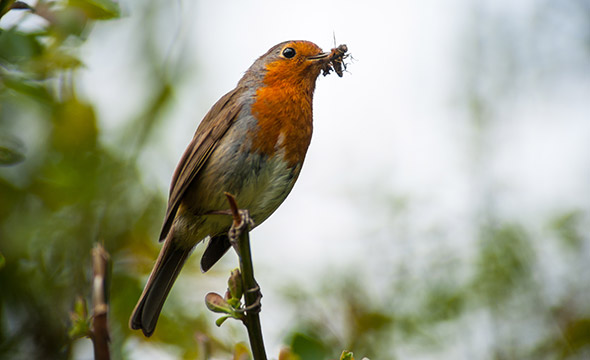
pixel 333 61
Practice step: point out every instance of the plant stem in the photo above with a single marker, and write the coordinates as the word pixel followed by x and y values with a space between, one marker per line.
pixel 240 228
pixel 100 331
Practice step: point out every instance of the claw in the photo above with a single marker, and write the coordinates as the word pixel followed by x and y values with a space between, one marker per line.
pixel 235 231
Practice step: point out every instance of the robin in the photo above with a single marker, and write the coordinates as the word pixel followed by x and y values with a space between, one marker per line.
pixel 251 144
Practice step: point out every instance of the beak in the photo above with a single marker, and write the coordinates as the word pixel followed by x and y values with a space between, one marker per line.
pixel 319 56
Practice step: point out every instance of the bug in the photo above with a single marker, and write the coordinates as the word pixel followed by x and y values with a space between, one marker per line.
pixel 336 63
pixel 338 55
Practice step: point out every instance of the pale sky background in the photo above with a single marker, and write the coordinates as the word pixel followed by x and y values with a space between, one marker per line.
pixel 393 130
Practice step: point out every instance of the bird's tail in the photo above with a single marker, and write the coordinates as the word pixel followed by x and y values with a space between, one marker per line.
pixel 170 261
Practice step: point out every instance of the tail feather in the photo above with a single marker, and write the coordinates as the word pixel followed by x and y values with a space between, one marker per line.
pixel 218 246
pixel 168 266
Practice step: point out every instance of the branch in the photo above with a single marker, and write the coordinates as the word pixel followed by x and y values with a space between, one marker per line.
pixel 7 5
pixel 239 233
pixel 100 331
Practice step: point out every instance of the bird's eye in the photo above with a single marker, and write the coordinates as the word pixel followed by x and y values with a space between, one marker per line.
pixel 289 52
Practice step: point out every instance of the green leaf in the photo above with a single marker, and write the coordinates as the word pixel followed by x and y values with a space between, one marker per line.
pixel 98 9
pixel 74 126
pixel 308 348
pixel 217 304
pixel 16 46
pixel 53 61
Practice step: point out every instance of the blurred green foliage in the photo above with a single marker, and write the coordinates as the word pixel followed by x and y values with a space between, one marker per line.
pixel 436 308
pixel 523 291
pixel 62 189
pixel 67 194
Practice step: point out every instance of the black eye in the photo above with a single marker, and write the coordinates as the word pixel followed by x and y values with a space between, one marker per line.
pixel 289 52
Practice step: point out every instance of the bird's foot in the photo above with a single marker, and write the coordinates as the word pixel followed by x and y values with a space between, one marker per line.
pixel 236 231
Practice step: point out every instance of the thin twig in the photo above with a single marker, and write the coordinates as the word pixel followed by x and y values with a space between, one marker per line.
pixel 100 331
pixel 240 230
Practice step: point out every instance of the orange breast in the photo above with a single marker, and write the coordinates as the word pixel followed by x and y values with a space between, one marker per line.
pixel 283 109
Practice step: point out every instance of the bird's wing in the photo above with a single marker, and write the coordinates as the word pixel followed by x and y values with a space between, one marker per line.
pixel 208 134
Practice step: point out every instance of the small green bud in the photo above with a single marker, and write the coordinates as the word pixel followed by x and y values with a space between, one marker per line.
pixel 221 320
pixel 80 320
pixel 234 284
pixel 346 355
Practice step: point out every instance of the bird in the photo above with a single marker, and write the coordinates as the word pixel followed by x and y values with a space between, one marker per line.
pixel 252 144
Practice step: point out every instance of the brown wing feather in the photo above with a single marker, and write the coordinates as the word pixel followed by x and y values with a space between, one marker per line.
pixel 211 129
